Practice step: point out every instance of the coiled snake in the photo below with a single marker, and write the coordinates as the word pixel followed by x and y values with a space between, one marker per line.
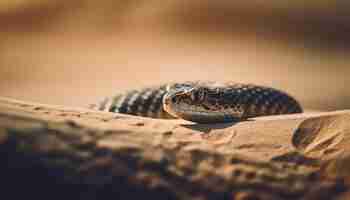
pixel 202 102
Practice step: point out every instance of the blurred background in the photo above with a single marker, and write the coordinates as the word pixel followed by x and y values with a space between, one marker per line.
pixel 75 52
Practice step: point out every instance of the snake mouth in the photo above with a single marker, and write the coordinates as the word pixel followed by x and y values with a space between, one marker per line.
pixel 189 113
pixel 195 113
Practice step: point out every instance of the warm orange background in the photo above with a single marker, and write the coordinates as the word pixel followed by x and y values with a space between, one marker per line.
pixel 73 54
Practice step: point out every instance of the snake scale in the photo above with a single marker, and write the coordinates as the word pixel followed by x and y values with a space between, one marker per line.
pixel 202 102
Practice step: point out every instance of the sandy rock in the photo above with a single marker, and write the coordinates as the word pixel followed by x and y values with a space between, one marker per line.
pixel 326 139
pixel 93 155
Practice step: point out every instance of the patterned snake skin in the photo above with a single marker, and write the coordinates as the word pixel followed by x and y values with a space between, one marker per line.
pixel 202 102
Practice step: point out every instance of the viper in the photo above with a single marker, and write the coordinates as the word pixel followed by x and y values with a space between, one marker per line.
pixel 202 102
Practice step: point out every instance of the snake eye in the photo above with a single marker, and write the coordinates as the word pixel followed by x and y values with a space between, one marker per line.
pixel 197 95
pixel 173 100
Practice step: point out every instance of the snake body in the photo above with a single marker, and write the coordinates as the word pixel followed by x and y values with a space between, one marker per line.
pixel 202 102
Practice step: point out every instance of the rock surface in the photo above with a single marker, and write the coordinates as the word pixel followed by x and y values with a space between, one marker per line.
pixel 70 153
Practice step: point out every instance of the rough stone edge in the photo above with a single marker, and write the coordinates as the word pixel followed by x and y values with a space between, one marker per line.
pixel 45 158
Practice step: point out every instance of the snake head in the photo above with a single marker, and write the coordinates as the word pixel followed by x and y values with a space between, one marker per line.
pixel 198 102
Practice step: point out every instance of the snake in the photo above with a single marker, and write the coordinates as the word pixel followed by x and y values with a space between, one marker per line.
pixel 202 102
